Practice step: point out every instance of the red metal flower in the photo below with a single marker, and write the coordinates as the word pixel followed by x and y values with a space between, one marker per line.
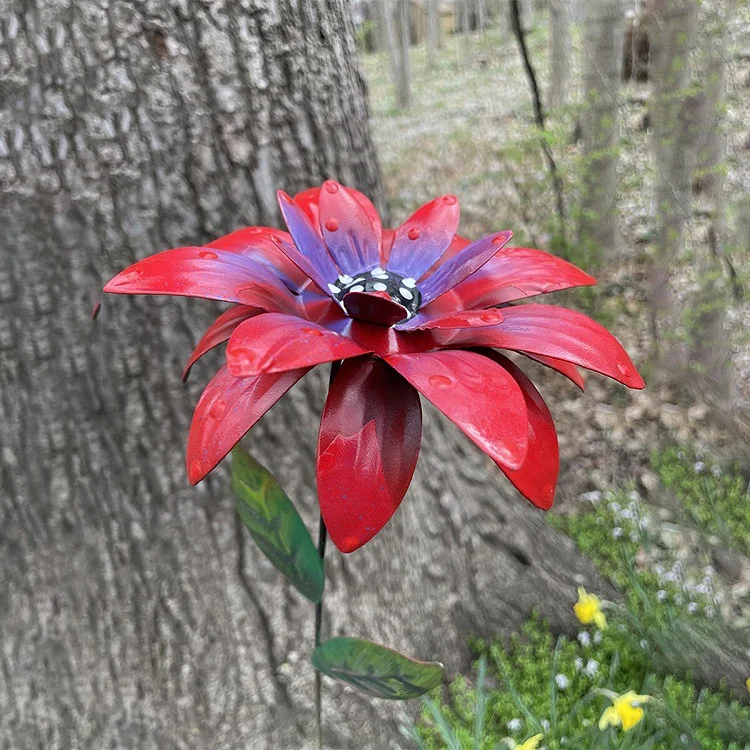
pixel 414 310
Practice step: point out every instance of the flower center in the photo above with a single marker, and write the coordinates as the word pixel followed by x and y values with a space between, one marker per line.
pixel 387 286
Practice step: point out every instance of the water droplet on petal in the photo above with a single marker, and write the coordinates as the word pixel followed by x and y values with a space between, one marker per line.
pixel 501 239
pixel 207 255
pixel 242 360
pixel 332 224
pixel 440 381
pixel 255 230
pixel 622 369
pixel 331 186
pixel 450 200
pixel 218 409
pixel 414 233
pixel 312 332
pixel 275 238
pixel 491 316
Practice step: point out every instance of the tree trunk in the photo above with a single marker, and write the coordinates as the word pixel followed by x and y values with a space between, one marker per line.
pixel 432 37
pixel 559 54
pixel 403 86
pixel 672 114
pixel 389 38
pixel 710 363
pixel 482 15
pixel 602 45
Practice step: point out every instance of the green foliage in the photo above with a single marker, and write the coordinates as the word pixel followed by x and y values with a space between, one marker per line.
pixel 715 498
pixel 557 687
pixel 376 670
pixel 275 525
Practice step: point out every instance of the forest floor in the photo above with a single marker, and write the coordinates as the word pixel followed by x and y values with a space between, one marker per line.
pixel 470 132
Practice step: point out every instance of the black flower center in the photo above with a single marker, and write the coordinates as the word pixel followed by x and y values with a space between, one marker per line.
pixel 402 291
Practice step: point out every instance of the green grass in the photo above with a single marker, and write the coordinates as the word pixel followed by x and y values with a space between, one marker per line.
pixel 715 498
pixel 539 683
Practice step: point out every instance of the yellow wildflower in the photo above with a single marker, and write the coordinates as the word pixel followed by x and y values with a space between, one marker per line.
pixel 588 609
pixel 624 712
pixel 531 744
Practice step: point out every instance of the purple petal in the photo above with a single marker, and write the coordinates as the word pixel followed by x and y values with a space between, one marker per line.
pixel 423 238
pixel 462 265
pixel 308 252
pixel 348 232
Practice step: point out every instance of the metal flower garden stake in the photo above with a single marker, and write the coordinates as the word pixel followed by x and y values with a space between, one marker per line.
pixel 397 313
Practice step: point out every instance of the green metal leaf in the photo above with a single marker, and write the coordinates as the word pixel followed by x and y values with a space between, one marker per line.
pixel 376 670
pixel 276 526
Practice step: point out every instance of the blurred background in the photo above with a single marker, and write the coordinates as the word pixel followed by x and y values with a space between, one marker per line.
pixel 135 612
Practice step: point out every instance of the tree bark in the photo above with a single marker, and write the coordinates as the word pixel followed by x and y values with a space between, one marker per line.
pixel 710 363
pixel 672 114
pixel 603 38
pixel 432 37
pixel 403 34
pixel 559 54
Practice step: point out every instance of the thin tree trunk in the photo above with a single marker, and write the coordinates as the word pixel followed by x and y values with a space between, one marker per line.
pixel 432 37
pixel 672 114
pixel 385 9
pixel 709 357
pixel 560 52
pixel 403 88
pixel 482 15
pixel 602 45
pixel 466 31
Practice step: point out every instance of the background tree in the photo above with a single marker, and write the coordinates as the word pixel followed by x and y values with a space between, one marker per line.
pixel 675 129
pixel 433 31
pixel 403 39
pixel 602 49
pixel 135 611
pixel 560 50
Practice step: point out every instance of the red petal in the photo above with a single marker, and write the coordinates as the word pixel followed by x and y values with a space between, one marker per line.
pixel 228 408
pixel 460 319
pixel 518 272
pixel 423 238
pixel 560 365
pixel 537 478
pixel 477 395
pixel 554 332
pixel 256 243
pixel 367 450
pixel 309 200
pixel 210 274
pixel 464 263
pixel 218 332
pixel 347 230
pixel 275 343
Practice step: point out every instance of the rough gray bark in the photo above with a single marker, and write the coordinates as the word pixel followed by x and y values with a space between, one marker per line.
pixel 675 130
pixel 135 612
pixel 560 48
pixel 602 45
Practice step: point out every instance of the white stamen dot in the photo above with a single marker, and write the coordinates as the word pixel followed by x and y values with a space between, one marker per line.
pixel 377 271
pixel 334 289
pixel 358 288
pixel 405 293
pixel 380 276
pixel 345 279
pixel 379 287
pixel 411 283
pixel 360 278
